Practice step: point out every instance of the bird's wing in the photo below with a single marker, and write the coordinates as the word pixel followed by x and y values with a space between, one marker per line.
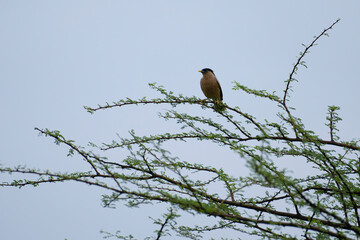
pixel 221 94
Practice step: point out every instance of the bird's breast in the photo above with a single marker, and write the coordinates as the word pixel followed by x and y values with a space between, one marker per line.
pixel 210 88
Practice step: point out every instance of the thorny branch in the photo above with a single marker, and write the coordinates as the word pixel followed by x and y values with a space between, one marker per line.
pixel 294 70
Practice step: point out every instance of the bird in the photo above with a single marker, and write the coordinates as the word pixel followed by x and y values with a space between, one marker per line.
pixel 210 85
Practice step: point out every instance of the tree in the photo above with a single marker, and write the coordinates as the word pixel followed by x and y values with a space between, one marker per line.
pixel 322 205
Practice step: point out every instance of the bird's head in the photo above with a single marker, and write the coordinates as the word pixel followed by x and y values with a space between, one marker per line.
pixel 206 70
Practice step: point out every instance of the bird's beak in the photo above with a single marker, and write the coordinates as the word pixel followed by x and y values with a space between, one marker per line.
pixel 199 71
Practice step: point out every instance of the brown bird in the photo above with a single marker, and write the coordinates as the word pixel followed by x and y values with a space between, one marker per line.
pixel 210 85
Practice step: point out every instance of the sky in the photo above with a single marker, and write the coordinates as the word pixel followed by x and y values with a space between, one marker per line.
pixel 57 56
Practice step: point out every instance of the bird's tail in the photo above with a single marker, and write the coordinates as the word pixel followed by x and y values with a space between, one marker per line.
pixel 219 106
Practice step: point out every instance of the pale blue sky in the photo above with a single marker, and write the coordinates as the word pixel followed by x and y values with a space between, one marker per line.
pixel 57 56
